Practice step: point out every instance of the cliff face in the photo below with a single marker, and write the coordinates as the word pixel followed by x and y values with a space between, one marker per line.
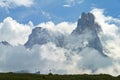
pixel 42 36
pixel 86 34
pixel 86 25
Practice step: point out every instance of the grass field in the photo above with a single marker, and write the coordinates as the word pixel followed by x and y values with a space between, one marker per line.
pixel 12 76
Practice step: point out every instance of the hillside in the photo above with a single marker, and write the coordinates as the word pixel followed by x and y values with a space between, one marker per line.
pixel 12 76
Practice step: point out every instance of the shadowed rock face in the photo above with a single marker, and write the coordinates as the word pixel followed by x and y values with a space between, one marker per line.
pixel 87 24
pixel 42 36
pixel 5 43
pixel 86 31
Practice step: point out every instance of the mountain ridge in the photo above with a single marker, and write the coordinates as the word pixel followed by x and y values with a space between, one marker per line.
pixel 86 34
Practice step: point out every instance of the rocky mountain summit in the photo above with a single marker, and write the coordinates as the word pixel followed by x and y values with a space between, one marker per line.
pixel 85 35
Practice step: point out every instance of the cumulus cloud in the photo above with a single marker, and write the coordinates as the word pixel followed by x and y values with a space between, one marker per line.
pixel 70 3
pixel 15 3
pixel 52 56
pixel 110 37
pixel 63 27
pixel 49 57
pixel 38 58
pixel 113 69
pixel 14 32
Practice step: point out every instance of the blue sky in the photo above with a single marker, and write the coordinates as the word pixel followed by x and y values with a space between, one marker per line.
pixel 54 10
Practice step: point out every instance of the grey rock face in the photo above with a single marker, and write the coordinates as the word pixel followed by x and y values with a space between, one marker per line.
pixel 85 35
pixel 42 36
pixel 87 24
pixel 5 43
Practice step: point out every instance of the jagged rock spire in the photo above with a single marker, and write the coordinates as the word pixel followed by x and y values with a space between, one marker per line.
pixel 86 24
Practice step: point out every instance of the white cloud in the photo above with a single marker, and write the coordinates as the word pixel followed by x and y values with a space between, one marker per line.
pixel 49 56
pixel 93 60
pixel 15 3
pixel 70 3
pixel 55 56
pixel 14 32
pixel 110 36
pixel 113 70
pixel 63 27
pixel 19 58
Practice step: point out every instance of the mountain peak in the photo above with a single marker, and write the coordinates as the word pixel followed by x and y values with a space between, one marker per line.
pixel 88 17
pixel 5 43
pixel 87 32
pixel 88 27
pixel 42 36
pixel 86 23
pixel 37 29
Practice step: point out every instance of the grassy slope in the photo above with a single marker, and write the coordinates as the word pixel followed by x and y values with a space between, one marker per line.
pixel 11 76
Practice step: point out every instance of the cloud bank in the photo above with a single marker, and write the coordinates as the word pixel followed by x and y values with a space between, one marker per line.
pixel 49 57
pixel 63 27
pixel 60 60
pixel 110 36
pixel 14 32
